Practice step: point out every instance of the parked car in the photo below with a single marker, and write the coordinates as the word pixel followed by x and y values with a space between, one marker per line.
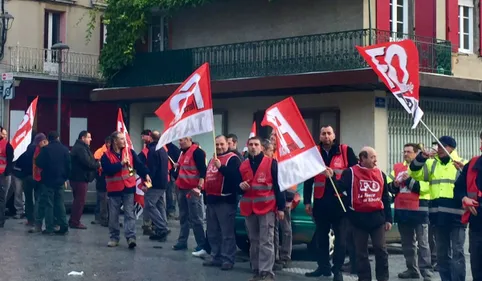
pixel 303 228
pixel 90 199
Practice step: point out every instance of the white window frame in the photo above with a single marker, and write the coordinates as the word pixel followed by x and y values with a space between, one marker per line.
pixel 393 24
pixel 162 35
pixel 104 35
pixel 470 5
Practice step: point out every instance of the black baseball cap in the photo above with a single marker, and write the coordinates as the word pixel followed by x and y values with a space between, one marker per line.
pixel 146 132
pixel 447 141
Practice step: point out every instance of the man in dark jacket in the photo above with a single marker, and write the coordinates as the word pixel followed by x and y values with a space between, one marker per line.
pixel 6 167
pixel 157 163
pixel 54 160
pixel 173 152
pixel 84 167
pixel 233 145
pixel 101 210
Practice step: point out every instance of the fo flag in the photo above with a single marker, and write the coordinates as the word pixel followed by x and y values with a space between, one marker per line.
pixel 189 110
pixel 298 155
pixel 139 195
pixel 251 134
pixel 23 136
pixel 397 65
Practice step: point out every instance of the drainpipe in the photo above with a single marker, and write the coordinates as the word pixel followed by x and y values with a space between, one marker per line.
pixel 370 22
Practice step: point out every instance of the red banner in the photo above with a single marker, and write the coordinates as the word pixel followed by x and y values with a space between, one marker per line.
pixel 23 136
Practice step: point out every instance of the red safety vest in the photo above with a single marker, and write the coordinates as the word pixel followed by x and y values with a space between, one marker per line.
pixel 405 199
pixel 36 172
pixel 144 151
pixel 472 190
pixel 260 198
pixel 121 179
pixel 188 174
pixel 338 163
pixel 214 183
pixel 3 155
pixel 367 189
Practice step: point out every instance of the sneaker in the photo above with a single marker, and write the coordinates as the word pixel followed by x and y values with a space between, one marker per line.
pixel 285 263
pixel 61 231
pixel 200 254
pixel 212 263
pixel 35 229
pixel 409 274
pixel 158 237
pixel 427 275
pixel 256 277
pixel 79 226
pixel 266 276
pixel 113 243
pixel 17 217
pixel 318 273
pixel 179 247
pixel 132 243
pixel 227 266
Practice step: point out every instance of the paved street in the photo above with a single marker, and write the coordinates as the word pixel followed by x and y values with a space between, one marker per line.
pixel 29 257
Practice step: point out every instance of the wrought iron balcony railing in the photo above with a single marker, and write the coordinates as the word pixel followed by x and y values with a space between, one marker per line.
pixel 294 55
pixel 44 62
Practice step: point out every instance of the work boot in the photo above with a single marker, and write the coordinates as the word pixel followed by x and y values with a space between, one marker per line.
pixel 61 231
pixel 409 274
pixel 211 262
pixel 318 273
pixel 179 247
pixel 427 275
pixel 227 266
pixel 285 263
pixel 338 276
pixel 256 276
pixel 147 230
pixel 266 276
pixel 113 243
pixel 35 229
pixel 277 266
pixel 158 237
pixel 132 243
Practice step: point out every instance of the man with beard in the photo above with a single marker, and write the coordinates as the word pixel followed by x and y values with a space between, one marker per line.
pixel 222 179
pixel 146 137
pixel 327 210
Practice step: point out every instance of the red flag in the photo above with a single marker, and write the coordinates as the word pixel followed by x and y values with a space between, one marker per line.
pixel 23 136
pixel 397 65
pixel 251 134
pixel 121 127
pixel 298 155
pixel 189 110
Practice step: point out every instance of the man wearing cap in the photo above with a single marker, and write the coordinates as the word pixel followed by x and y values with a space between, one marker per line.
pixel 146 136
pixel 445 211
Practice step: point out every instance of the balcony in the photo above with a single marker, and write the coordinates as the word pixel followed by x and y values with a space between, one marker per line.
pixel 42 63
pixel 294 55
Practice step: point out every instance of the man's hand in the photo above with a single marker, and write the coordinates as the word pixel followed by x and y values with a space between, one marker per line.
pixel 428 153
pixel 217 163
pixel 281 215
pixel 388 226
pixel 196 191
pixel 404 177
pixel 328 172
pixel 470 205
pixel 309 209
pixel 244 185
pixel 125 161
pixel 288 206
pixel 459 165
pixel 175 165
pixel 148 178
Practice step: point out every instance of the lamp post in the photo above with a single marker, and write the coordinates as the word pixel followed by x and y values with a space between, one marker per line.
pixel 6 21
pixel 59 47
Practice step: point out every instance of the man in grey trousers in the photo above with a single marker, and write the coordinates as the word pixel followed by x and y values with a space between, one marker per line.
pixel 154 197
pixel 222 179
pixel 6 166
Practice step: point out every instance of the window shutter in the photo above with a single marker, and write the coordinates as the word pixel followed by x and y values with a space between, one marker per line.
pixel 452 16
pixel 425 16
pixel 383 15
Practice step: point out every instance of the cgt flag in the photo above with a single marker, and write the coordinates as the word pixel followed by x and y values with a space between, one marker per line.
pixel 23 136
pixel 139 195
pixel 298 155
pixel 189 110
pixel 397 65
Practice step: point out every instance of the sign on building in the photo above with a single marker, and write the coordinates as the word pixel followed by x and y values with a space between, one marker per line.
pixel 7 86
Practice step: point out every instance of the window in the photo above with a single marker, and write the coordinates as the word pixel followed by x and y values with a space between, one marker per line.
pixel 103 34
pixel 77 125
pixel 52 34
pixel 466 26
pixel 158 34
pixel 398 18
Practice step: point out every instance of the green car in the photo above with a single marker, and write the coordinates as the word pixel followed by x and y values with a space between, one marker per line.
pixel 303 228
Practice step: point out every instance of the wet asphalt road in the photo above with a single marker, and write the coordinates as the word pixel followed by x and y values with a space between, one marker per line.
pixel 35 257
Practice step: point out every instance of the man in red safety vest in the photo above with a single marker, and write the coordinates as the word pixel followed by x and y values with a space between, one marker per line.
pixel 327 211
pixel 468 189
pixel 411 213
pixel 260 203
pixel 6 159
pixel 369 212
pixel 222 180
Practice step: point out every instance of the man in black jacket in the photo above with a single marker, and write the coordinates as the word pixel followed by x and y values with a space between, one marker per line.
pixel 6 167
pixel 84 167
pixel 157 162
pixel 173 152
pixel 233 145
pixel 54 160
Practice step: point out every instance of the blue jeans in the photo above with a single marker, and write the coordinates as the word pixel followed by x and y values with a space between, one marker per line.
pixel 115 203
pixel 170 201
pixel 450 252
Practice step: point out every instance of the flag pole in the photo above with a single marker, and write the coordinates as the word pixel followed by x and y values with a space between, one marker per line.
pixel 337 194
pixel 214 138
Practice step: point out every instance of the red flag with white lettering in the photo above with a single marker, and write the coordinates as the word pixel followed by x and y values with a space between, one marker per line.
pixel 251 134
pixel 189 110
pixel 298 155
pixel 23 136
pixel 397 65
pixel 139 195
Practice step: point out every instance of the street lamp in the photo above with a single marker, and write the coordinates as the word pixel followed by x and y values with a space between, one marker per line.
pixel 6 21
pixel 59 47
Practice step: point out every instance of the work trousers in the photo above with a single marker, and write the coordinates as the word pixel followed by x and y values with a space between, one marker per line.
pixel 190 216
pixel 79 192
pixel 221 231
pixel 377 236
pixel 32 195
pixel 450 252
pixel 53 206
pixel 323 228
pixel 115 203
pixel 433 244
pixel 155 208
pixel 16 190
pixel 475 250
pixel 413 235
pixel 170 198
pixel 283 249
pixel 101 209
pixel 261 239
pixel 5 182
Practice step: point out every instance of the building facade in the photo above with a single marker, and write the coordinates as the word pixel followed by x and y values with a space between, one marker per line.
pixel 263 51
pixel 28 54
